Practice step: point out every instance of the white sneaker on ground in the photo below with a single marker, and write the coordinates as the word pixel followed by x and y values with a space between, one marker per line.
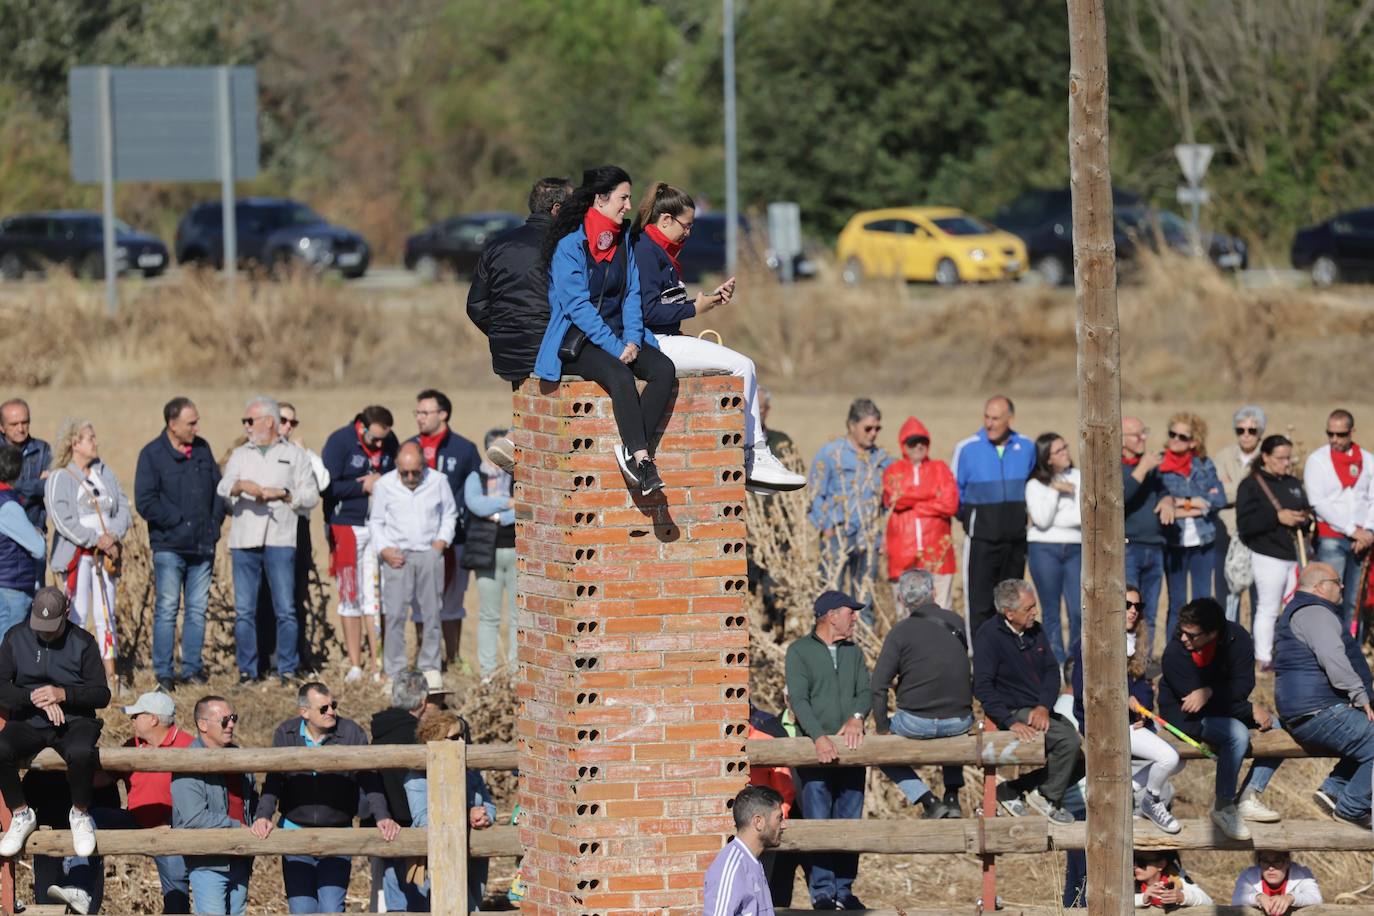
pixel 1229 821
pixel 77 900
pixel 83 832
pixel 1252 809
pixel 501 453
pixel 354 675
pixel 762 469
pixel 23 823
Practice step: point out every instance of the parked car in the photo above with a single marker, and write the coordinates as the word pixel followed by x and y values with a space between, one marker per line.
pixel 1156 228
pixel 940 244
pixel 272 232
pixel 1043 219
pixel 454 245
pixel 74 239
pixel 1342 248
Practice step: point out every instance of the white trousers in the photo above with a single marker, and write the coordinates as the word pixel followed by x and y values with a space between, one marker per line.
pixel 1274 579
pixel 1162 759
pixel 694 354
pixel 93 605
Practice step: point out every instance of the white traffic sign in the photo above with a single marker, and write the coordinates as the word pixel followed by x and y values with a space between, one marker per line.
pixel 1199 196
pixel 1193 159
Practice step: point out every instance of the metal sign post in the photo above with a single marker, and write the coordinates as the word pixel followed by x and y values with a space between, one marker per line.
pixel 226 178
pixel 731 150
pixel 107 181
pixel 1193 159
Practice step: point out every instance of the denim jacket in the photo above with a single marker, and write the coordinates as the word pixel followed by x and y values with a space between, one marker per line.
pixel 846 489
pixel 1202 483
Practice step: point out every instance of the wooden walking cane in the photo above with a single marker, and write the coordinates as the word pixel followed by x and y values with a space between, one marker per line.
pixel 1302 550
pixel 101 565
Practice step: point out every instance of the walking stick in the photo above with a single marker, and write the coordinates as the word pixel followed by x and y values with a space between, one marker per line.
pixel 1136 707
pixel 98 561
pixel 1302 550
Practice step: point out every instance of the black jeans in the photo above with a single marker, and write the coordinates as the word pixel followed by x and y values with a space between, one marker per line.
pixel 636 416
pixel 986 564
pixel 75 742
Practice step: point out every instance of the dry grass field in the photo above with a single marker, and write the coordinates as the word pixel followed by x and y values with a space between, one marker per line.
pixel 1190 340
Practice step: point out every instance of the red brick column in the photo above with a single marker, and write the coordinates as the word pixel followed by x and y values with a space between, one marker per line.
pixel 633 650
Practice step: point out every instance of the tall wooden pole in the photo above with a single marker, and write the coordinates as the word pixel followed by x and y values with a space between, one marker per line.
pixel 1099 409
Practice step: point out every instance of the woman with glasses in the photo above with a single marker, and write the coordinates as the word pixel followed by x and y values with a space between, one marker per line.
pixel 1189 543
pixel 1054 540
pixel 922 497
pixel 1272 516
pixel 1276 884
pixel 1233 463
pixel 662 226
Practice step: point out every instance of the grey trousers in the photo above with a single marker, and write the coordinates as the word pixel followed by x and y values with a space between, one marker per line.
pixel 1063 759
pixel 419 583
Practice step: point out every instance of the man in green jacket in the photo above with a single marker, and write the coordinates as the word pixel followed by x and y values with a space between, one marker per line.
pixel 829 691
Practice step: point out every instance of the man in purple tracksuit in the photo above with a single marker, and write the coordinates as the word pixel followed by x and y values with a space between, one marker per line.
pixel 735 882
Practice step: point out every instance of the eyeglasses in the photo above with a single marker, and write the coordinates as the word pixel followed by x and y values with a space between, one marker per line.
pixel 871 429
pixel 291 423
pixel 409 474
pixel 327 708
pixel 915 441
pixel 249 421
pixel 1133 605
pixel 1337 434
pixel 1186 636
pixel 1336 582
pixel 225 721
pixel 1182 437
pixel 1246 431
pixel 686 227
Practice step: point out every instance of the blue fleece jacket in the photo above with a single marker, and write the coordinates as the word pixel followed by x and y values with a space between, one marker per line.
pixel 992 485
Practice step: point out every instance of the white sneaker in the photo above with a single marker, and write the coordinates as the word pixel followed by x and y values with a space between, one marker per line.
pixel 626 462
pixel 77 900
pixel 501 453
pixel 1038 802
pixel 23 823
pixel 764 470
pixel 83 832
pixel 1252 809
pixel 354 675
pixel 1229 821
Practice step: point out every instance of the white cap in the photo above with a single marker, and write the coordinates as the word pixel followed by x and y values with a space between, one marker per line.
pixel 155 702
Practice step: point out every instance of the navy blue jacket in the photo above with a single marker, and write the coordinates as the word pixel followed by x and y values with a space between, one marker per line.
pixel 661 289
pixel 18 569
pixel 1012 671
pixel 1142 525
pixel 456 458
pixel 1301 685
pixel 345 501
pixel 1231 675
pixel 29 486
pixel 176 497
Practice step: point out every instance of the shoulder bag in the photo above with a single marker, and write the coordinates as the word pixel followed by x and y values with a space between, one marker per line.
pixel 576 338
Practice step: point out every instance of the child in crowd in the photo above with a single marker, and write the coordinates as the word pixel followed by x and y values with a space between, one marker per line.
pixel 1276 884
pixel 1160 881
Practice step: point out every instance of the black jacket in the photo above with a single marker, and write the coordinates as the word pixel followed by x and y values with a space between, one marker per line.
pixel 509 297
pixel 1231 675
pixel 71 662
pixel 321 799
pixel 927 655
pixel 1257 522
pixel 395 726
pixel 176 497
pixel 1012 671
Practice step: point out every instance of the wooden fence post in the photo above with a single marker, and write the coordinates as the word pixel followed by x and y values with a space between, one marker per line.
pixel 447 773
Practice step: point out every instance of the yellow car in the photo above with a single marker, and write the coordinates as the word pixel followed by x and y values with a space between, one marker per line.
pixel 940 244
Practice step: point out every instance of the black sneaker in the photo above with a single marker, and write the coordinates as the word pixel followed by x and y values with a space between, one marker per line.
pixel 951 803
pixel 245 679
pixel 649 481
pixel 626 462
pixel 199 679
pixel 935 809
pixel 166 685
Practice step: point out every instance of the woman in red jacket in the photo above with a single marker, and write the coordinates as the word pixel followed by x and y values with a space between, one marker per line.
pixel 923 497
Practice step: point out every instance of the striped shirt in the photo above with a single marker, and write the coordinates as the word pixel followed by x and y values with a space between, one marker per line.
pixel 736 885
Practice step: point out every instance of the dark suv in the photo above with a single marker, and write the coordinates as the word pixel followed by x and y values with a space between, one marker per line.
pixel 272 232
pixel 1044 221
pixel 74 239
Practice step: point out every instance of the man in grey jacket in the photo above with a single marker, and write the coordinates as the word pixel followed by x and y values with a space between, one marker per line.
pixel 203 801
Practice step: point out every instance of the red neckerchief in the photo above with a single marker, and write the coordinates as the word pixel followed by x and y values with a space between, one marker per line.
pixel 430 446
pixel 5 486
pixel 669 247
pixel 603 234
pixel 185 450
pixel 374 455
pixel 1347 465
pixel 1204 656
pixel 1180 463
pixel 1270 890
pixel 1130 460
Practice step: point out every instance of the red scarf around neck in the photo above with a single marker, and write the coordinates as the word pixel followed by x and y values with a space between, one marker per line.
pixel 430 446
pixel 5 486
pixel 603 234
pixel 1204 656
pixel 1177 463
pixel 1348 465
pixel 373 453
pixel 1272 890
pixel 1130 460
pixel 669 247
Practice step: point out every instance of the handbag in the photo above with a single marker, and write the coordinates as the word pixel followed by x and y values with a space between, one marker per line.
pixel 1239 571
pixel 576 338
pixel 479 546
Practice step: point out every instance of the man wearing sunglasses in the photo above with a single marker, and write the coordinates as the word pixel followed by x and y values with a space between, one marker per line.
pixel 206 801
pixel 318 884
pixel 1337 479
pixel 1322 688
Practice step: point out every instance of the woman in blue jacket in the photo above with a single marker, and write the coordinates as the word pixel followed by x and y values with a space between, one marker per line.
pixel 1190 542
pixel 662 227
pixel 596 325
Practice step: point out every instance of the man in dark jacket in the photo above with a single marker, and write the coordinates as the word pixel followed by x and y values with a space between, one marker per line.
pixel 52 681
pixel 1322 688
pixel 1209 673
pixel 830 692
pixel 317 884
pixel 1149 507
pixel 356 457
pixel 174 490
pixel 396 725
pixel 927 654
pixel 15 420
pixel 1016 678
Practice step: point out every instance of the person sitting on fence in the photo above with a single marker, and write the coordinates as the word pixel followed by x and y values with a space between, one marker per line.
pixel 1017 680
pixel 448 726
pixel 207 801
pixel 52 681
pixel 1322 688
pixel 829 689
pixel 926 653
pixel 1161 882
pixel 77 881
pixel 153 716
pixel 317 884
pixel 1209 673
pixel 1276 884
pixel 735 882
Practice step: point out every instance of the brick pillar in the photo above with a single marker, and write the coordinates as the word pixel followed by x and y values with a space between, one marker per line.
pixel 633 649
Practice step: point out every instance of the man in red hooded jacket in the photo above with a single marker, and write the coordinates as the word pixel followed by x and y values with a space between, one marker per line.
pixel 922 496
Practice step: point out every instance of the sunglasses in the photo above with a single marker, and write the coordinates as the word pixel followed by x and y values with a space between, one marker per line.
pixel 327 708
pixel 915 441
pixel 292 423
pixel 249 421
pixel 409 474
pixel 871 429
pixel 1134 605
pixel 1181 437
pixel 1185 636
pixel 1246 431
pixel 1337 434
pixel 225 721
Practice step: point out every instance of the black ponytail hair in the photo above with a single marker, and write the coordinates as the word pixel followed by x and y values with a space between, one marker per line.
pixel 601 180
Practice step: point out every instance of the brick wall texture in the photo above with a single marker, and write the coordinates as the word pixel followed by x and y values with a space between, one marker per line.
pixel 633 650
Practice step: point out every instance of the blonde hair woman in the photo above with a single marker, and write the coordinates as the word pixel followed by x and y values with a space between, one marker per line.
pixel 90 515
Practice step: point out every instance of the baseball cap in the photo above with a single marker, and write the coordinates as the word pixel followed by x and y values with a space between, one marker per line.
pixel 155 702
pixel 48 610
pixel 435 681
pixel 829 601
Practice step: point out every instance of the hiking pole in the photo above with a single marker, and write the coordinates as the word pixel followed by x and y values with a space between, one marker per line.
pixel 1136 707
